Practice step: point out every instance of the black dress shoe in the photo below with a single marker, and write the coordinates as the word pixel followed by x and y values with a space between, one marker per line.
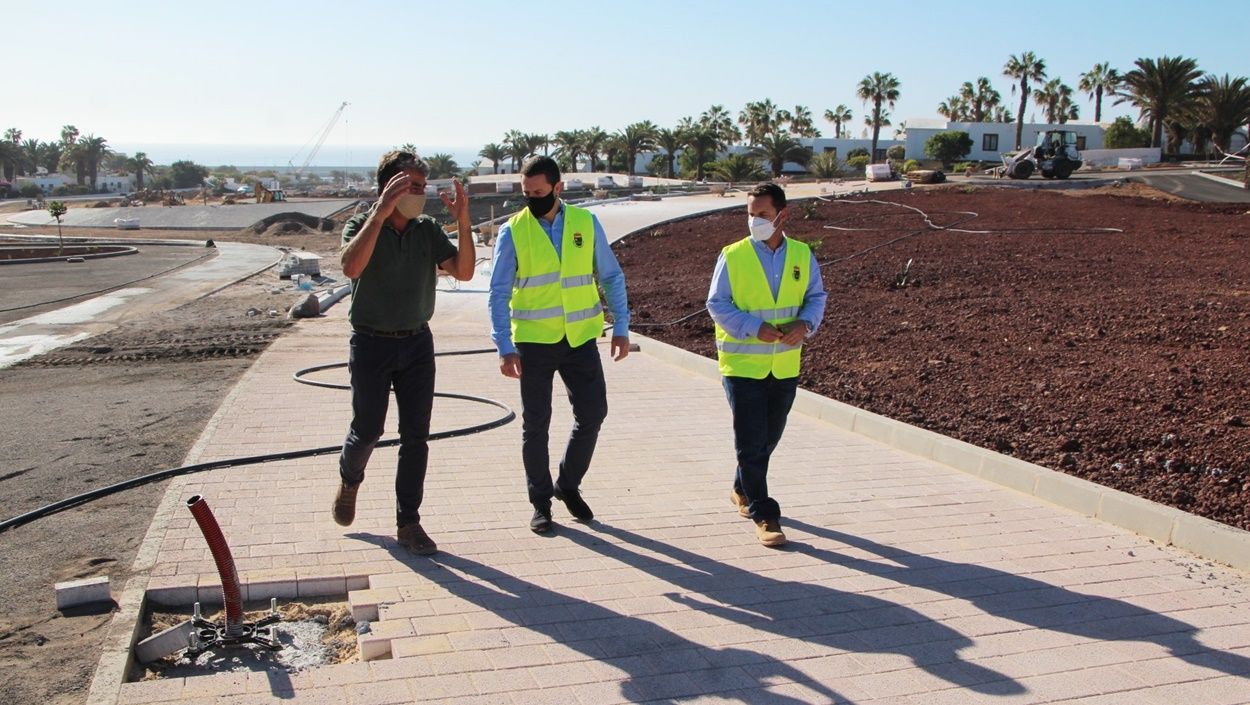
pixel 540 523
pixel 576 505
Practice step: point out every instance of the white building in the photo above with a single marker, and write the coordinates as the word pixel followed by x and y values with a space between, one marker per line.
pixel 46 182
pixel 991 139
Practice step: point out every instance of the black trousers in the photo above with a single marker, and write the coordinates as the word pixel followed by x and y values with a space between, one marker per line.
pixel 760 408
pixel 378 364
pixel 582 372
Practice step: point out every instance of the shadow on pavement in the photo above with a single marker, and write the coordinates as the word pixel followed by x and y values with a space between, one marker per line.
pixel 659 664
pixel 1028 600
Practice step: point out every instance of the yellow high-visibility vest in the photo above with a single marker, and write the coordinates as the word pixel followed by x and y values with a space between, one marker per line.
pixel 555 296
pixel 748 284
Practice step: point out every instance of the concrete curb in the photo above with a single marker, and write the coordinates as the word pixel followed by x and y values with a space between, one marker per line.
pixel 1205 538
pixel 1220 179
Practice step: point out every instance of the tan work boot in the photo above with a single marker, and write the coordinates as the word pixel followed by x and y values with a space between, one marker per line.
pixel 740 502
pixel 345 504
pixel 769 533
pixel 414 538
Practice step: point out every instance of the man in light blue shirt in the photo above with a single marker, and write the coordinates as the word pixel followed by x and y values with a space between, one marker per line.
pixel 536 364
pixel 759 384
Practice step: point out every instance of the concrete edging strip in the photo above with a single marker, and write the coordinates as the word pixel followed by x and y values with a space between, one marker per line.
pixel 1219 179
pixel 1203 537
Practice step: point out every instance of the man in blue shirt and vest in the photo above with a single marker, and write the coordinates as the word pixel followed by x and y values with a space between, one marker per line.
pixel 766 298
pixel 545 315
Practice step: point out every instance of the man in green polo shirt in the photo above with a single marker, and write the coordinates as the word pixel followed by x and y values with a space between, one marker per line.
pixel 391 254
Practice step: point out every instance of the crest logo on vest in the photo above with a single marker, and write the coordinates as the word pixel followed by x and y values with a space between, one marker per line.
pixel 797 274
pixel 577 239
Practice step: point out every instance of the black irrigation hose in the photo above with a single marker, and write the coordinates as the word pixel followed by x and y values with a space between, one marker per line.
pixel 101 492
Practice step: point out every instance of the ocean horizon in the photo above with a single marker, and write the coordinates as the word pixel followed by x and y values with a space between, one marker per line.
pixel 281 157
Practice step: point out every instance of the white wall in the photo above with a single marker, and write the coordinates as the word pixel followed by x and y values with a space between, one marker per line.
pixel 1111 157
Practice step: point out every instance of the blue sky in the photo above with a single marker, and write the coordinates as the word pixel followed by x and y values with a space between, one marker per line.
pixel 457 75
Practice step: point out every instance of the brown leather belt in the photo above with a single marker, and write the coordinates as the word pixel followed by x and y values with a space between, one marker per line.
pixel 391 333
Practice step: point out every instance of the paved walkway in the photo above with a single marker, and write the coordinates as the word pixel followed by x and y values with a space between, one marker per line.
pixel 905 581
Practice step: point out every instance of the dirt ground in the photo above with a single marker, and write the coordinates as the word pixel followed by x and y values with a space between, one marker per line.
pixel 122 404
pixel 1121 358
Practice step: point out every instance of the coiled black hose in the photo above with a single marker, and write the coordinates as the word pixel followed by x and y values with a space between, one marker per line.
pixel 98 493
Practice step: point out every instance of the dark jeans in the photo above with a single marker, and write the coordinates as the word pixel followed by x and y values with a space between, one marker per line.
pixel 582 372
pixel 377 364
pixel 760 407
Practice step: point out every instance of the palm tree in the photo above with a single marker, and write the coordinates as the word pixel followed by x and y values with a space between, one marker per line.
pixel 613 145
pixel 702 143
pixel 954 109
pixel 1055 100
pixel 593 141
pixel 737 167
pixel 95 149
pixel 1026 68
pixel 1097 82
pixel 980 99
pixel 801 123
pixel 721 123
pixel 777 149
pixel 13 135
pixel 1002 115
pixel 534 143
pixel 514 144
pixel 1222 106
pixel 495 153
pixel 669 142
pixel 141 165
pixel 638 137
pixel 1158 86
pixel 32 154
pixel 879 88
pixel 568 145
pixel 442 165
pixel 10 158
pixel 839 116
pixel 758 119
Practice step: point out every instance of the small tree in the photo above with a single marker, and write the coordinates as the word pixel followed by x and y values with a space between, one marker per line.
pixel 1123 134
pixel 948 146
pixel 56 209
pixel 186 174
pixel 896 152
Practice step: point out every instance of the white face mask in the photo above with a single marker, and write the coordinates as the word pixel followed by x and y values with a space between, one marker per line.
pixel 761 228
pixel 410 205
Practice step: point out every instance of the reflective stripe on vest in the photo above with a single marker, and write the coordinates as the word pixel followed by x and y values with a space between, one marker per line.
pixel 749 287
pixel 555 296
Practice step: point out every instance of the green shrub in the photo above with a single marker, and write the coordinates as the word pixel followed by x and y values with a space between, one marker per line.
pixel 898 152
pixel 948 146
pixel 30 191
pixel 71 190
pixel 857 162
pixel 910 165
pixel 1123 134
pixel 857 152
pixel 961 167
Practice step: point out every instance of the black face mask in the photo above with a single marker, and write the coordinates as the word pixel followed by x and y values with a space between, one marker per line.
pixel 541 205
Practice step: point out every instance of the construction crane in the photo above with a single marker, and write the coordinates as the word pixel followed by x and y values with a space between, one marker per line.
pixel 321 138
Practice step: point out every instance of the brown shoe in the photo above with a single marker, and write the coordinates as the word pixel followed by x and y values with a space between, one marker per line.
pixel 345 504
pixel 769 532
pixel 740 502
pixel 414 538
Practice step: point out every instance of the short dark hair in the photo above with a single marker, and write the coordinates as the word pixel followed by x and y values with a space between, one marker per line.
pixel 539 164
pixel 396 161
pixel 771 190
